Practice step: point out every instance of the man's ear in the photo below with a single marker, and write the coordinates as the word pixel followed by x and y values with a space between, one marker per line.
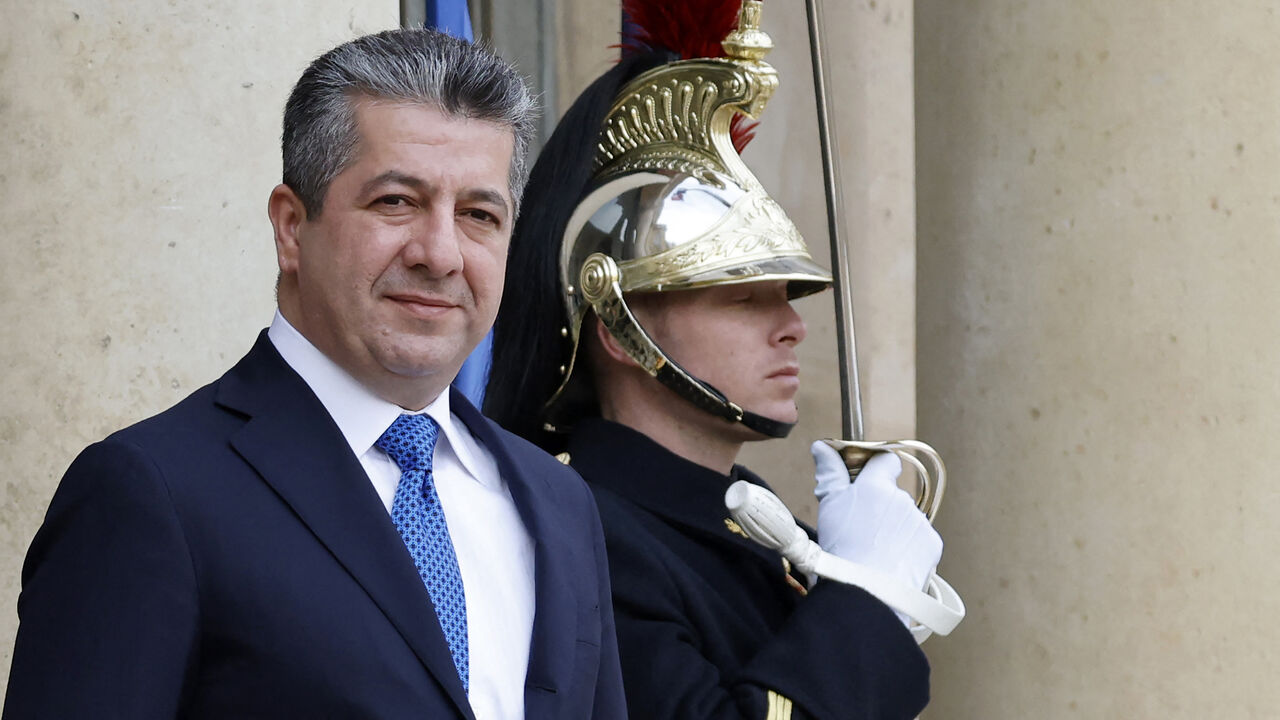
pixel 612 348
pixel 287 213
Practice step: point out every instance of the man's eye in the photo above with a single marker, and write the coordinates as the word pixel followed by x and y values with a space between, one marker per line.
pixel 482 215
pixel 392 201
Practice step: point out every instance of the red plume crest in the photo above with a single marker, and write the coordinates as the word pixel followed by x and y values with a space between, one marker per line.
pixel 689 28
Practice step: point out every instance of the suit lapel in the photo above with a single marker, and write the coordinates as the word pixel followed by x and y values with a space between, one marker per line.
pixel 294 445
pixel 551 650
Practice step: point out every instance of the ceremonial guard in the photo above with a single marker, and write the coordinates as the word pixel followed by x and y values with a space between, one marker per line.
pixel 646 333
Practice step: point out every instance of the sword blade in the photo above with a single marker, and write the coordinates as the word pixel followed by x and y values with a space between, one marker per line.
pixel 850 390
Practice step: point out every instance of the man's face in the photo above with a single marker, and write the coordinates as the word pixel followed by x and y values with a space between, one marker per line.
pixel 401 274
pixel 739 338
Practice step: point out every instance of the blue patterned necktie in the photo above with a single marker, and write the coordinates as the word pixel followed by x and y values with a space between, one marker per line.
pixel 416 512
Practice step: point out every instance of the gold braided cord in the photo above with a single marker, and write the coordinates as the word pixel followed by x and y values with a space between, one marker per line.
pixel 779 707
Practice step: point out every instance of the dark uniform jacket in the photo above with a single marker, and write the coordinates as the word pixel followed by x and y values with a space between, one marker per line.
pixel 708 625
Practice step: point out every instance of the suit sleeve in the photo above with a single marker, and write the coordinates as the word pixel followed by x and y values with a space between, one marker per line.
pixel 108 609
pixel 840 654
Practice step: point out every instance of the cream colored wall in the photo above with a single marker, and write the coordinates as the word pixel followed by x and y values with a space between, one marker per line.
pixel 1098 207
pixel 141 139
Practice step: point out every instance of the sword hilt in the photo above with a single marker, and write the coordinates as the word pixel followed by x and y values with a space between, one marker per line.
pixel 924 459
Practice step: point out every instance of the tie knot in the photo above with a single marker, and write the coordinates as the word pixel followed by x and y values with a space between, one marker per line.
pixel 410 442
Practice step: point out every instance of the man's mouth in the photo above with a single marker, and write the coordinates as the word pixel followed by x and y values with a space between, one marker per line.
pixel 787 371
pixel 426 306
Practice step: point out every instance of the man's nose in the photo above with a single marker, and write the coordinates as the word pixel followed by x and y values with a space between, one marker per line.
pixel 791 327
pixel 434 244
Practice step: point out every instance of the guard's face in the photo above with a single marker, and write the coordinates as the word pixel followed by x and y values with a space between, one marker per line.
pixel 739 338
pixel 400 276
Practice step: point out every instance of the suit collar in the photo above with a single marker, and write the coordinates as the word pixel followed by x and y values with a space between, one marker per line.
pixel 551 651
pixel 293 443
pixel 361 415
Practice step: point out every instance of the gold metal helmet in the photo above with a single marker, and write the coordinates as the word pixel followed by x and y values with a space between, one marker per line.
pixel 673 207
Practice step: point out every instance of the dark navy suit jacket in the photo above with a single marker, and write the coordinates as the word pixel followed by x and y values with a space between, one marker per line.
pixel 229 558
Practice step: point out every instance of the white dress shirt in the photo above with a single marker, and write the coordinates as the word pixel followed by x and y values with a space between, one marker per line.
pixel 495 552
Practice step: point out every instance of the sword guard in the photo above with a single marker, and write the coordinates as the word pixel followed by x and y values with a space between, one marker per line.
pixel 924 459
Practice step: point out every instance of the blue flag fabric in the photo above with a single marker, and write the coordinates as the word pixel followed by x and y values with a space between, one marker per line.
pixel 474 374
pixel 453 17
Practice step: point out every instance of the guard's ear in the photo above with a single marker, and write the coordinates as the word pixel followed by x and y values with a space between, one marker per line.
pixel 612 348
pixel 287 214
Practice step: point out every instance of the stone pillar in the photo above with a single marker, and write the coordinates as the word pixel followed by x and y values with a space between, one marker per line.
pixel 589 27
pixel 141 141
pixel 1098 208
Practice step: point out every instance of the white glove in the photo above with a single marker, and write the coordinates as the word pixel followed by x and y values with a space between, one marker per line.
pixel 872 521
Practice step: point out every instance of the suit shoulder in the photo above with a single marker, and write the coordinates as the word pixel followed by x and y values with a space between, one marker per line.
pixel 631 532
pixel 531 456
pixel 195 414
pixel 141 448
pixel 534 462
pixel 168 444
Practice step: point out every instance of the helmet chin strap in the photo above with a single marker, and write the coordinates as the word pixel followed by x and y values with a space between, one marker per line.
pixel 759 423
pixel 600 286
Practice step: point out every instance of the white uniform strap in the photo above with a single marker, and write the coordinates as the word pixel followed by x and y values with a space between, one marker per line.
pixel 765 519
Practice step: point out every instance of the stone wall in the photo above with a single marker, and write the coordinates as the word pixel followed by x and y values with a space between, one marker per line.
pixel 1098 206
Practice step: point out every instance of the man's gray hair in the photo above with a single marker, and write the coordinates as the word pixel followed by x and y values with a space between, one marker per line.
pixel 460 79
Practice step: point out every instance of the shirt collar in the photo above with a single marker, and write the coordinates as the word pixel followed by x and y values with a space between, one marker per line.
pixel 360 415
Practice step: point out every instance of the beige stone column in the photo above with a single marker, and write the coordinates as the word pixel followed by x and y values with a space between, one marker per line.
pixel 586 29
pixel 141 139
pixel 1098 207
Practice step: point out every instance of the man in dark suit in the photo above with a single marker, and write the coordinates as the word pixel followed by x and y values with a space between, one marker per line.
pixel 327 531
